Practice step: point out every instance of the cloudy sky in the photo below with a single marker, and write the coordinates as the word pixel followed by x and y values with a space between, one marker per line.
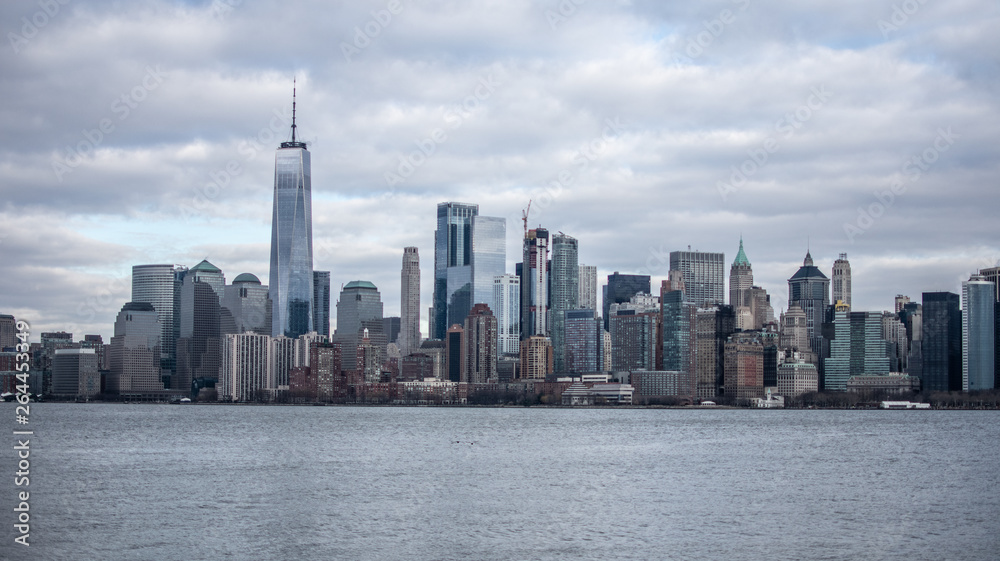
pixel 144 132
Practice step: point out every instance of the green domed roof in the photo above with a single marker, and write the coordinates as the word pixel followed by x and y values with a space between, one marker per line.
pixel 246 277
pixel 360 284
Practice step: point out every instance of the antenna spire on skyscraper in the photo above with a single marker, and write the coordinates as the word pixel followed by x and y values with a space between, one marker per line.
pixel 293 109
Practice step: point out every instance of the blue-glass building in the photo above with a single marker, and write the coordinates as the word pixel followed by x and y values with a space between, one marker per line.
pixel 291 278
pixel 978 350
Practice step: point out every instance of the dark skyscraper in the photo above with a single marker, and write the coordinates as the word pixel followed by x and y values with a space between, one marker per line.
pixel 321 302
pixel 941 342
pixel 809 289
pixel 621 289
pixel 291 278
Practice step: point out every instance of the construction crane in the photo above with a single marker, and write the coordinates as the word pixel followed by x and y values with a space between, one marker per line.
pixel 524 217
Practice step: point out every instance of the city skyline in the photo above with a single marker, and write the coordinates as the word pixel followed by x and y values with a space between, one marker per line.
pixel 178 166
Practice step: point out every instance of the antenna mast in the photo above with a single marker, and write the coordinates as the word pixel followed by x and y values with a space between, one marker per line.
pixel 293 109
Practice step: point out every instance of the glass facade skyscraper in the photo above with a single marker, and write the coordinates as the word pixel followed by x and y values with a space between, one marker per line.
pixel 160 285
pixel 978 352
pixel 321 302
pixel 291 277
pixel 469 252
pixel 941 342
pixel 809 289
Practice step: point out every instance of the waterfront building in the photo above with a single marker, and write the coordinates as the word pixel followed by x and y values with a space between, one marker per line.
pixel 135 351
pixel 247 365
pixel 620 289
pixel 536 357
pixel 713 327
pixel 978 343
pixel 704 276
pixel 565 281
pixel 507 295
pixel 160 285
pixel 321 303
pixel 291 272
pixel 796 377
pixel 584 341
pixel 678 330
pixel 857 347
pixel 743 377
pixel 841 280
pixel 648 385
pixel 941 342
pixel 199 342
pixel 633 339
pixel 74 373
pixel 480 345
pixel 992 274
pixel 409 304
pixel 882 385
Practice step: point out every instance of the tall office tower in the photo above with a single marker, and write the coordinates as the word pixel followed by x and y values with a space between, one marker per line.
pixel 469 251
pixel 246 367
pixel 912 316
pixel 584 341
pixel 160 285
pixel 704 276
pixel 321 303
pixel 678 330
pixel 743 376
pixel 978 344
pixel 992 274
pixel 941 342
pixel 894 333
pixel 759 303
pixel 369 359
pixel 291 277
pixel 480 345
pixel 7 330
pixel 74 373
pixel 857 347
pixel 489 257
pixel 454 354
pixel 606 349
pixel 507 295
pixel 565 284
pixel 359 308
pixel 713 327
pixel 809 289
pixel 901 301
pixel 391 328
pixel 588 287
pixel 621 288
pixel 409 302
pixel 135 351
pixel 246 302
pixel 633 339
pixel 740 279
pixel 199 344
pixel 536 357
pixel 842 280
pixel 535 284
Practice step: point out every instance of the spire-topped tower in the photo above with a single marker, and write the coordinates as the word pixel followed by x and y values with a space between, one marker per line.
pixel 291 278
pixel 740 279
pixel 294 143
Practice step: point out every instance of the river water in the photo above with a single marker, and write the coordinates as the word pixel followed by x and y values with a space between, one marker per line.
pixel 178 482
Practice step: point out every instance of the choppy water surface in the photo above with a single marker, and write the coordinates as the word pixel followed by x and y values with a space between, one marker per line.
pixel 231 482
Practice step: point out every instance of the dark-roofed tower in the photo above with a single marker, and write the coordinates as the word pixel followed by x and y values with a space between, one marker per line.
pixel 809 289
